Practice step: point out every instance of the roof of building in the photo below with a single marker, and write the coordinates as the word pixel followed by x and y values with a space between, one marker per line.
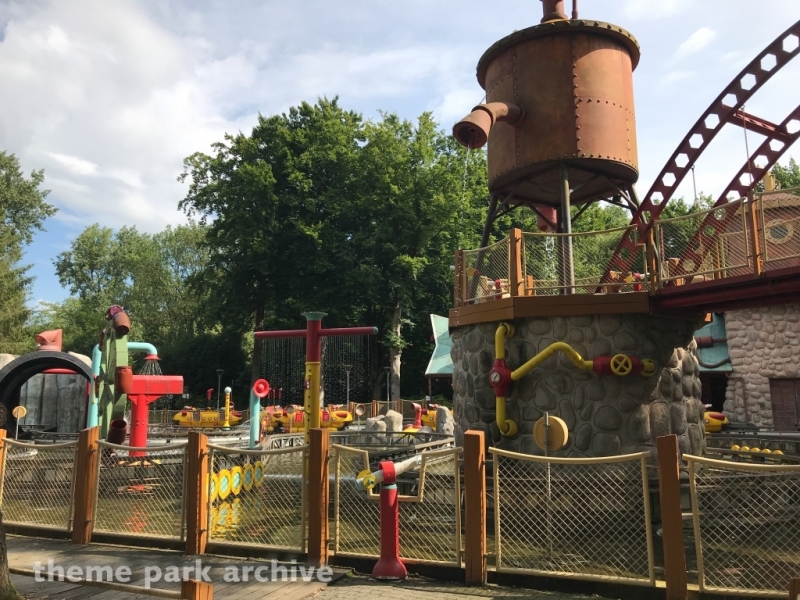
pixel 714 359
pixel 440 365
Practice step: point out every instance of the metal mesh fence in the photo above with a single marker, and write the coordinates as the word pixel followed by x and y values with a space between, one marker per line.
pixel 703 245
pixel 430 516
pixel 587 518
pixel 141 490
pixel 779 228
pixel 486 273
pixel 256 497
pixel 37 484
pixel 747 525
pixel 546 266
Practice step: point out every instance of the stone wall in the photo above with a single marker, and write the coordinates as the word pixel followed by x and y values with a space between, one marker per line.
pixel 763 343
pixel 53 400
pixel 606 415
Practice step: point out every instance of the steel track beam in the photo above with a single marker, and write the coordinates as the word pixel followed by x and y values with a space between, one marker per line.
pixel 720 112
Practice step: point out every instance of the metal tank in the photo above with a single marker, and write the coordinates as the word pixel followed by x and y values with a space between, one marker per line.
pixel 559 118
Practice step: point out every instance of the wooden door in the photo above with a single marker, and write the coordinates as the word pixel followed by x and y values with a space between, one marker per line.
pixel 785 396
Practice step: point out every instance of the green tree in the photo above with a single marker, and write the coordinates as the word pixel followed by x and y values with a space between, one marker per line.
pixel 317 209
pixel 24 210
pixel 788 176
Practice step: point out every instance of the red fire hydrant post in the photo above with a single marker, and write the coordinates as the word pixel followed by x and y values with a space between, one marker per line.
pixel 389 565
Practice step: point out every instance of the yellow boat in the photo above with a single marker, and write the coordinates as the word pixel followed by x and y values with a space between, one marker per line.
pixel 291 419
pixel 194 417
pixel 714 421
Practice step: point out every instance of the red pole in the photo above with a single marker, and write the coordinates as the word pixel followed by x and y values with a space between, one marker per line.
pixel 139 420
pixel 389 565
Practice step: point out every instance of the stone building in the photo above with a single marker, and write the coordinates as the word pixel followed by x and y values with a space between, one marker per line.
pixel 764 383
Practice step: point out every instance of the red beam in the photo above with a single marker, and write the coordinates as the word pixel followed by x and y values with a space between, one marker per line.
pixel 59 372
pixel 156 385
pixel 759 125
pixel 293 333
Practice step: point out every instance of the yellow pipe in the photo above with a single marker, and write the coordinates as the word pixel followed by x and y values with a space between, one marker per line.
pixel 504 330
pixel 507 427
pixel 577 359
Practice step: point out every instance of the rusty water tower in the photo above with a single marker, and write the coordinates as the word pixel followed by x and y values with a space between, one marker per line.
pixel 559 117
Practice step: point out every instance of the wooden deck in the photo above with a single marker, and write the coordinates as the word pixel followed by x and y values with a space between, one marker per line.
pixel 24 552
pixel 520 307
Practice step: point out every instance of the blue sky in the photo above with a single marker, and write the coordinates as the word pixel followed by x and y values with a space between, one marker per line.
pixel 109 97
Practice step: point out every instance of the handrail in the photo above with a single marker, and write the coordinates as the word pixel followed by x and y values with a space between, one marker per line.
pixel 161 448
pixel 255 451
pixel 18 444
pixel 737 466
pixel 597 460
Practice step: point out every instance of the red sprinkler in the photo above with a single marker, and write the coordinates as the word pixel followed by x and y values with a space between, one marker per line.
pixel 141 391
pixel 389 566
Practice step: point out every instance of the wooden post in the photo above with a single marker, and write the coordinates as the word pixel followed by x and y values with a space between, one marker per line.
pixel 515 279
pixel 475 505
pixel 458 285
pixel 751 218
pixel 196 590
pixel 374 408
pixel 671 520
pixel 400 405
pixel 2 451
pixel 318 498
pixel 794 588
pixel 196 494
pixel 85 492
pixel 650 258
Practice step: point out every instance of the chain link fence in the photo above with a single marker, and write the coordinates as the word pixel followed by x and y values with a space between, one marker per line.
pixel 546 270
pixel 582 518
pixel 704 245
pixel 37 485
pixel 779 228
pixel 746 526
pixel 256 497
pixel 486 273
pixel 141 491
pixel 430 508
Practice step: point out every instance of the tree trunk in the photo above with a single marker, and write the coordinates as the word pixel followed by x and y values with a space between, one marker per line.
pixel 395 322
pixel 7 591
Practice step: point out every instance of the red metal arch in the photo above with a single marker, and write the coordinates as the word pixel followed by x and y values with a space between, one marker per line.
pixel 725 109
pixel 700 243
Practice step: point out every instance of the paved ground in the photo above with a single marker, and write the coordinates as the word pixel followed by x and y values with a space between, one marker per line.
pixel 24 552
pixel 356 587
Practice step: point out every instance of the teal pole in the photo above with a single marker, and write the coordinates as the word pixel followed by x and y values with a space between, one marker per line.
pixel 255 418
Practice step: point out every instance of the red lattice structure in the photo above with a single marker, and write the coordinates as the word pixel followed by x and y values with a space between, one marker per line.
pixel 727 108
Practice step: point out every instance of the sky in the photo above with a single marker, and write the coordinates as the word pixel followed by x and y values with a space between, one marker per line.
pixel 110 97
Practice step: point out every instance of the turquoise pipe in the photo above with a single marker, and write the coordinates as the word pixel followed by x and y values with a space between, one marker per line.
pixel 255 418
pixel 92 417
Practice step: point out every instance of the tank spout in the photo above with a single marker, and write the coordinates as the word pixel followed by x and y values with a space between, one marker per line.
pixel 553 11
pixel 473 130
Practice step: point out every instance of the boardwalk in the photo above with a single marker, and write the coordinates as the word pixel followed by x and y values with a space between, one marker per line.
pixel 24 552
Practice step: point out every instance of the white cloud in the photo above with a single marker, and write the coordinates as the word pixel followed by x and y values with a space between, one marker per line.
pixel 695 42
pixel 74 164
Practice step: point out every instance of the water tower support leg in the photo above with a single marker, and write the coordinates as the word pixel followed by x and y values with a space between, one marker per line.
pixel 567 270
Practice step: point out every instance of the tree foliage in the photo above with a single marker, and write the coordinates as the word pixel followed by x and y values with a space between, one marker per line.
pixel 23 206
pixel 788 176
pixel 318 209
